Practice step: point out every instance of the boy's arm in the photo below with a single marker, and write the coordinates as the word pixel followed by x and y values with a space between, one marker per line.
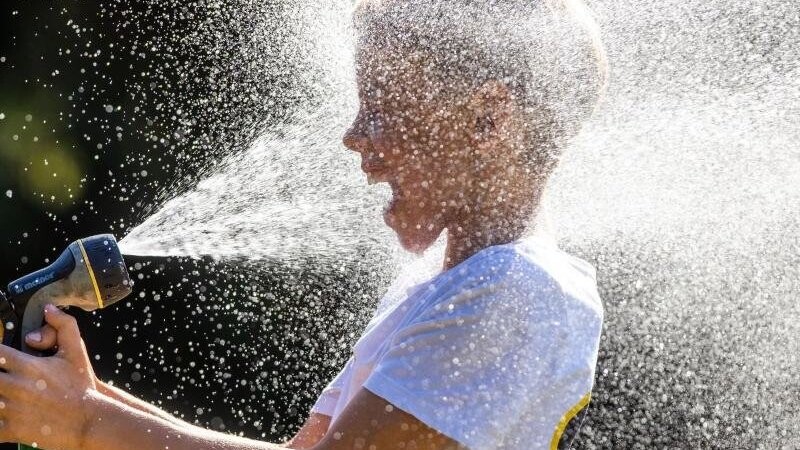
pixel 117 425
pixel 368 421
pixel 311 433
pixel 135 403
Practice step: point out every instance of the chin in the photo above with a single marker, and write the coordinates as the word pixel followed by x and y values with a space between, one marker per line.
pixel 416 243
pixel 411 239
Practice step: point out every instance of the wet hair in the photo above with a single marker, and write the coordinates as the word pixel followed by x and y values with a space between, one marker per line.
pixel 547 52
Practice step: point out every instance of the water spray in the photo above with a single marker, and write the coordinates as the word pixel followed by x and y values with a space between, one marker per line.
pixel 89 274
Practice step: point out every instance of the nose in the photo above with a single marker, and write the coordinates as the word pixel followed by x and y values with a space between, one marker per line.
pixel 356 137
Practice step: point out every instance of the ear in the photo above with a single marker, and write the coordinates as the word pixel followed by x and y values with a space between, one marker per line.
pixel 491 107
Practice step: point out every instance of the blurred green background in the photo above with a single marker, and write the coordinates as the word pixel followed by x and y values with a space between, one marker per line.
pixel 107 109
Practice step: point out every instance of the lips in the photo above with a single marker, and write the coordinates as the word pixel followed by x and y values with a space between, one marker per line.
pixel 376 171
pixel 392 208
pixel 389 211
pixel 372 165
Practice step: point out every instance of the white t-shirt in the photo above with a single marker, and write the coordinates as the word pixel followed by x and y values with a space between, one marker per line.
pixel 498 352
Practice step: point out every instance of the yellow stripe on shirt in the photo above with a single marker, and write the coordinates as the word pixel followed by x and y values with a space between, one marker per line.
pixel 562 424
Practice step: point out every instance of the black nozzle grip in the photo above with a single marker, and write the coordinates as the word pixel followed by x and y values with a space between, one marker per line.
pixel 108 267
pixel 61 268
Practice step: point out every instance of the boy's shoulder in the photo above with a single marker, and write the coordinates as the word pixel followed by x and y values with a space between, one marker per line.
pixel 533 270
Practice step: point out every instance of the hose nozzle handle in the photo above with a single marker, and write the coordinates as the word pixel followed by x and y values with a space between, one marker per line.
pixel 90 274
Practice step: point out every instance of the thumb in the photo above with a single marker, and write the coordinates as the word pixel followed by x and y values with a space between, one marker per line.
pixel 42 339
pixel 68 337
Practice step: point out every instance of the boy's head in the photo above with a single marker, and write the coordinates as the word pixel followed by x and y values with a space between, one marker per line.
pixel 465 106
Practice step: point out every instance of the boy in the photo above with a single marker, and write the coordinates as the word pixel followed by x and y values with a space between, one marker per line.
pixel 465 106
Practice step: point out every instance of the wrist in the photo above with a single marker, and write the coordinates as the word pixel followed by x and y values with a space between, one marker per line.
pixel 95 402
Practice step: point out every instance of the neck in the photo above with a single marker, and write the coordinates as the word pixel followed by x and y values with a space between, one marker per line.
pixel 481 229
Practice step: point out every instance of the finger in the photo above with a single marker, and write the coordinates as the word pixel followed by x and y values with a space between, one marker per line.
pixel 8 418
pixel 12 360
pixel 10 386
pixel 68 337
pixel 44 338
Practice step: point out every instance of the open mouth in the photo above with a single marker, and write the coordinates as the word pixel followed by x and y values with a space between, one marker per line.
pixel 375 170
pixel 390 210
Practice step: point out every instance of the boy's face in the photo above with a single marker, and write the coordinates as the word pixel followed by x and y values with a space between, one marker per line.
pixel 415 138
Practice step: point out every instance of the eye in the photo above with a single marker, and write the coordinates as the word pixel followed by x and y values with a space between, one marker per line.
pixel 374 124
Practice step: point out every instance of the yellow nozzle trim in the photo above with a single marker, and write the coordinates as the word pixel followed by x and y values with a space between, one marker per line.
pixel 91 274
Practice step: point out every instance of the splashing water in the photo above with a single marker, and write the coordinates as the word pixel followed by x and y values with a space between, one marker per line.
pixel 684 144
pixel 295 192
pixel 254 208
pixel 682 190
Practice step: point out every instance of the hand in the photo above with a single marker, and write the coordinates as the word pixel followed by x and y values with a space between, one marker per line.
pixel 44 399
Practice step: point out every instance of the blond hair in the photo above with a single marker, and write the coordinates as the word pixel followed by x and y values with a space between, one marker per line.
pixel 548 52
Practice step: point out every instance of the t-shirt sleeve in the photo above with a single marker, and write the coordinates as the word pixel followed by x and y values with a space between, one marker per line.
pixel 329 398
pixel 491 358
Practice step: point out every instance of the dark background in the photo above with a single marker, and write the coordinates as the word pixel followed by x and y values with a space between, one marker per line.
pixel 110 108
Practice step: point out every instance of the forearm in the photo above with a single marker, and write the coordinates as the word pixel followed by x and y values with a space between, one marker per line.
pixel 304 439
pixel 135 403
pixel 122 427
pixel 311 433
